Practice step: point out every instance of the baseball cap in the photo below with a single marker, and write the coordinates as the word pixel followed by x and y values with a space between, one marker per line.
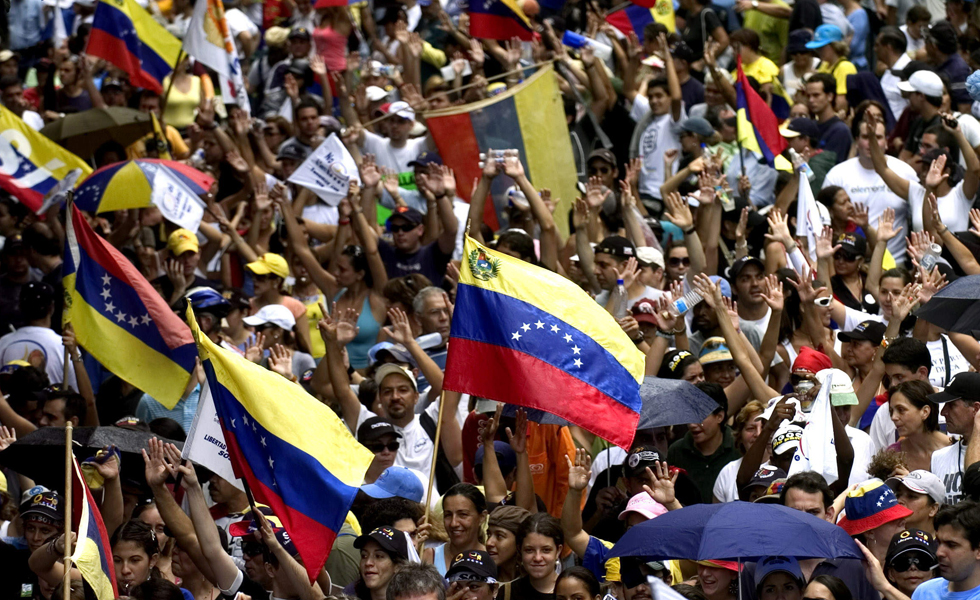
pixel 110 82
pixel 683 51
pixel 726 288
pixel 396 482
pixel 778 564
pixel 801 126
pixel 390 539
pixel 300 33
pixel 45 506
pixel 397 351
pixel 406 212
pixel 870 505
pixel 841 390
pixel 763 477
pixel 272 314
pixel 743 262
pixel 639 458
pixel 698 125
pixel 6 55
pixel 472 565
pixel 714 350
pixel 374 93
pixel 913 541
pixel 773 492
pixel 786 438
pixel 825 34
pixel 270 263
pixel 852 244
pixel 944 36
pixel 648 255
pixel 870 331
pixel 393 369
pixel 425 159
pixel 924 82
pixel 275 37
pixel 921 481
pixel 182 241
pixel 603 155
pixel 644 311
pixel 36 294
pixel 963 386
pixel 402 109
pixel 292 150
pixel 374 428
pixel 797 41
pixel 506 458
pixel 643 504
pixel 616 245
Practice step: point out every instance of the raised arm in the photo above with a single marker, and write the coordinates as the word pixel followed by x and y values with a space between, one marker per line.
pixel 331 370
pixel 524 495
pixel 514 169
pixel 320 276
pixel 579 474
pixel 884 232
pixel 893 180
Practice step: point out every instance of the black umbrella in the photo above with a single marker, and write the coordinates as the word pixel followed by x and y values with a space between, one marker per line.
pixel 956 307
pixel 82 133
pixel 40 454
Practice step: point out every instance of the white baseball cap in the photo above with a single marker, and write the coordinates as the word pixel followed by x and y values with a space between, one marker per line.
pixel 393 369
pixel 924 82
pixel 374 93
pixel 921 482
pixel 650 256
pixel 273 314
pixel 402 109
pixel 786 438
pixel 841 390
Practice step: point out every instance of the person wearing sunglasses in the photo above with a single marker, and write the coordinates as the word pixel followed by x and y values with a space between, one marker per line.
pixel 380 437
pixel 911 559
pixel 849 281
pixel 678 263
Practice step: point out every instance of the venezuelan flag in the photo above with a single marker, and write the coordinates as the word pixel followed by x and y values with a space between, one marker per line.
pixel 499 20
pixel 296 455
pixel 528 117
pixel 120 319
pixel 635 17
pixel 758 127
pixel 127 36
pixel 524 335
pixel 93 555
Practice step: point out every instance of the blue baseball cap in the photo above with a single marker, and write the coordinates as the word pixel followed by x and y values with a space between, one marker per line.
pixel 506 457
pixel 778 564
pixel 726 288
pixel 825 34
pixel 396 481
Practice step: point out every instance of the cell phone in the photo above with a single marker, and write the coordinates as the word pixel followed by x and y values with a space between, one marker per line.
pixel 950 122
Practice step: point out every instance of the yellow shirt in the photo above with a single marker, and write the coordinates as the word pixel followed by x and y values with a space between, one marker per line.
pixel 178 149
pixel 763 69
pixel 181 107
pixel 773 31
pixel 840 70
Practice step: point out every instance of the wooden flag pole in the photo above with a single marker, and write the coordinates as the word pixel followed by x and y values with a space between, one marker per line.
pixel 432 470
pixel 69 472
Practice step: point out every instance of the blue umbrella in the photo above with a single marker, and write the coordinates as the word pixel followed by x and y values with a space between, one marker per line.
pixel 736 531
pixel 956 307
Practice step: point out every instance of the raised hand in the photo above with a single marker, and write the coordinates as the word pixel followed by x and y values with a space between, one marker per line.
pixel 595 193
pixel 779 229
pixel 662 489
pixel 513 167
pixel 400 329
pixel 679 213
pixel 580 472
pixel 389 180
pixel 7 436
pixel 935 176
pixel 490 167
pixel 743 224
pixel 975 221
pixel 476 53
pixel 708 289
pixel 825 244
pixel 370 173
pixel 281 360
pixel 629 272
pixel 488 429
pixel 860 217
pixel 931 283
pixel 886 225
pixel 773 293
pixel 580 213
pixel 518 437
pixel 254 348
pixel 156 467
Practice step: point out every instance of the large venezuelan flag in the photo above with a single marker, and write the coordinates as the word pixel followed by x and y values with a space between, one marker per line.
pixel 293 451
pixel 93 555
pixel 120 319
pixel 524 335
pixel 635 17
pixel 499 20
pixel 528 117
pixel 127 36
pixel 757 125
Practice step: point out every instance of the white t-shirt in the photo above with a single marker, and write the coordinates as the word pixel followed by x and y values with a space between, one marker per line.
pixel 854 317
pixel 912 45
pixel 662 134
pixel 947 464
pixel 954 207
pixel 791 82
pixel 725 489
pixel 889 85
pixel 321 212
pixel 29 342
pixel 415 451
pixel 390 157
pixel 648 292
pixel 863 451
pixel 865 186
pixel 971 131
pixel 760 324
pixel 958 362
pixel 882 430
pixel 238 23
pixel 33 119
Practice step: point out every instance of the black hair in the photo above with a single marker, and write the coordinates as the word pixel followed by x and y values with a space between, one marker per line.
pixel 792 318
pixel 810 482
pixel 917 393
pixel 543 524
pixel 111 146
pixel 859 112
pixel 31 309
pixel 470 492
pixel 139 533
pixel 675 363
pixel 897 273
pixel 653 30
pixel 828 81
pixel 894 38
pixel 385 512
pixel 965 516
pixel 16 209
pixel 8 81
pixel 689 591
pixel 520 242
pixel 585 576
pixel 75 405
pixel 359 262
pixel 156 589
pixel 404 289
pixel 22 385
pixel 918 14
pixel 168 428
pixel 908 352
pixel 307 103
pixel 659 82
pixel 945 140
pixel 827 195
pixel 415 581
pixel 35 238
pixel 838 589
pixel 717 393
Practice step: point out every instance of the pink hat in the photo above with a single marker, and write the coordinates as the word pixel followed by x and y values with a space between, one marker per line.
pixel 644 505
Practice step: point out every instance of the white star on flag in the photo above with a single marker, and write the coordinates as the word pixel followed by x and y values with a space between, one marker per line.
pixel 554 329
pixel 539 325
pixel 576 350
pixel 146 319
pixel 245 419
pixel 516 335
pixel 106 280
pixel 110 308
pixel 105 294
pixel 120 316
pixel 568 338
pixel 262 441
pixel 526 327
pixel 271 462
pixel 233 424
pixel 577 362
pixel 133 321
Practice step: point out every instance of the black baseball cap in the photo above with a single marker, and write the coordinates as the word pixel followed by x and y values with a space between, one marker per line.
pixel 913 540
pixel 46 507
pixel 870 331
pixel 406 212
pixel 741 263
pixel 472 565
pixel 425 159
pixel 110 82
pixel 964 386
pixel 802 126
pixel 300 33
pixel 603 155
pixel 684 52
pixel 292 149
pixel 36 293
pixel 374 428
pixel 852 244
pixel 764 477
pixel 618 246
pixel 390 539
pixel 639 458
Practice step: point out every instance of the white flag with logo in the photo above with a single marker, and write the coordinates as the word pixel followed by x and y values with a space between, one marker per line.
pixel 808 223
pixel 209 41
pixel 328 171
pixel 205 444
pixel 177 203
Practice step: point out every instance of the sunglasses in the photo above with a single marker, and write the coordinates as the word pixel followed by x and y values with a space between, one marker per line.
pixel 599 170
pixel 845 257
pixel 395 228
pixel 390 447
pixel 905 563
pixel 250 549
pixel 675 261
pixel 824 302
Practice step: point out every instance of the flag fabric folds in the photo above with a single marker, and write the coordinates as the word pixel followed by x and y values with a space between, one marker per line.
pixel 209 41
pixel 499 20
pixel 758 127
pixel 93 555
pixel 529 118
pixel 127 36
pixel 31 165
pixel 808 222
pixel 524 335
pixel 293 451
pixel 634 17
pixel 120 319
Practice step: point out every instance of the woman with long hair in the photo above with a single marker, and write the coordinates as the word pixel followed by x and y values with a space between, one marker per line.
pixel 827 587
pixel 135 551
pixel 464 508
pixel 577 583
pixel 540 542
pixel 916 420
pixel 502 528
pixel 383 552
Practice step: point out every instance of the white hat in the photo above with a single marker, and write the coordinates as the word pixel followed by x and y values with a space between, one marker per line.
pixel 402 109
pixel 374 93
pixel 841 390
pixel 786 438
pixel 921 482
pixel 925 82
pixel 798 417
pixel 393 369
pixel 274 314
pixel 650 255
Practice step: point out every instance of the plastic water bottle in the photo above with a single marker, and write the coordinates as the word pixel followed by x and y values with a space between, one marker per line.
pixel 685 303
pixel 197 159
pixel 931 257
pixel 620 300
pixel 804 167
pixel 727 204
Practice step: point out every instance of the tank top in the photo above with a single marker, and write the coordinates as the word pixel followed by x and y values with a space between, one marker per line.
pixel 367 336
pixel 180 106
pixel 314 312
pixel 332 48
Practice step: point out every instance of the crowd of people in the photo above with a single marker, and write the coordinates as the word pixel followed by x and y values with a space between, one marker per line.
pixel 354 300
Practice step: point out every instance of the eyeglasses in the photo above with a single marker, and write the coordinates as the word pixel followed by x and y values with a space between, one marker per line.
pixel 395 228
pixel 390 447
pixel 676 261
pixel 824 302
pixel 905 563
pixel 845 257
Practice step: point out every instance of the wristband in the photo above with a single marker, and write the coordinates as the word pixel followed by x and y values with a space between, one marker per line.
pixel 945 229
pixel 664 334
pixel 344 221
pixel 689 231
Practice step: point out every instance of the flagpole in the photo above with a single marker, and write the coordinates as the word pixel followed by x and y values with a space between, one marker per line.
pixel 432 470
pixel 163 102
pixel 69 472
pixel 69 201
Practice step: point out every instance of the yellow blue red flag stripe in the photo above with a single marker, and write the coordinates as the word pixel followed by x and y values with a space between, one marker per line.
pixel 757 125
pixel 93 555
pixel 127 36
pixel 499 20
pixel 294 453
pixel 120 319
pixel 524 335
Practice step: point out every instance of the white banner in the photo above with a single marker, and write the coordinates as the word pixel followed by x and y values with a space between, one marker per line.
pixel 808 223
pixel 205 443
pixel 177 203
pixel 328 171
pixel 209 41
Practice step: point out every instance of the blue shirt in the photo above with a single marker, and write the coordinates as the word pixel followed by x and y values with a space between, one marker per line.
pixel 956 69
pixel 836 137
pixel 26 18
pixel 938 589
pixel 183 412
pixel 859 42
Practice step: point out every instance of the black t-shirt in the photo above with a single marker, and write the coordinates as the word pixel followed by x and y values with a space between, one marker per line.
pixel 18 580
pixel 919 127
pixel 692 92
pixel 697 27
pixel 806 15
pixel 522 590
pixel 429 260
pixel 249 588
